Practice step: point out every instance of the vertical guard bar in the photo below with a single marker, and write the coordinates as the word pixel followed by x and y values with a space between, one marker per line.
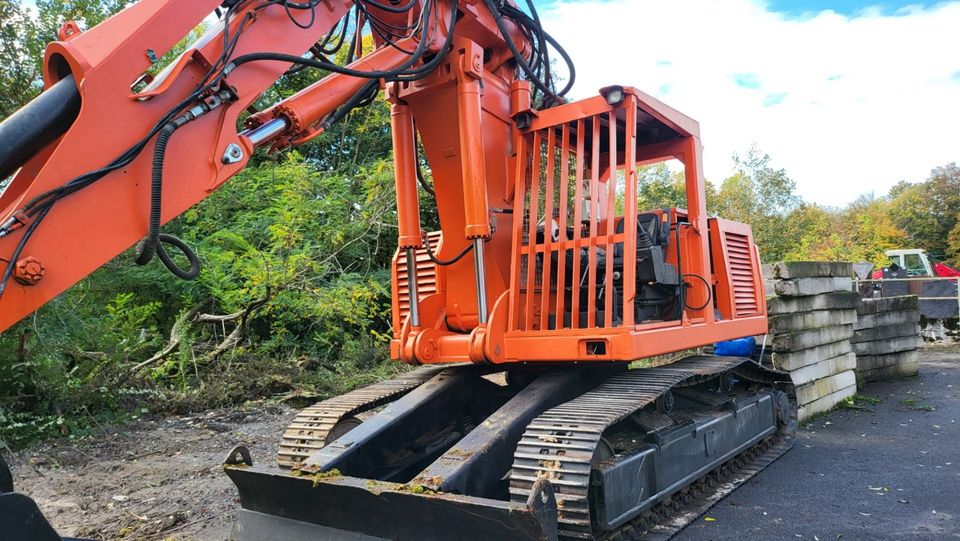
pixel 611 220
pixel 545 280
pixel 594 222
pixel 577 236
pixel 519 196
pixel 532 233
pixel 630 212
pixel 564 180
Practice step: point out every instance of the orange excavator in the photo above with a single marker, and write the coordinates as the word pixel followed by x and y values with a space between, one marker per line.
pixel 525 417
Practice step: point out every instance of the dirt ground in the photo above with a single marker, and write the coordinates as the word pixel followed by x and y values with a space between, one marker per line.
pixel 161 479
pixel 154 480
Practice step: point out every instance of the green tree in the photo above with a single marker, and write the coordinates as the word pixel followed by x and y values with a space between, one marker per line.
pixel 953 242
pixel 24 36
pixel 761 196
pixel 928 210
pixel 658 187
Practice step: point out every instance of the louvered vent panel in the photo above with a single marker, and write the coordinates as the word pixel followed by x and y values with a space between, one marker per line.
pixel 426 275
pixel 741 274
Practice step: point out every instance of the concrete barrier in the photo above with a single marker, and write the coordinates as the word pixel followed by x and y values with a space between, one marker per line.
pixel 794 360
pixel 812 319
pixel 825 403
pixel 811 338
pixel 821 369
pixel 887 338
pixel 812 286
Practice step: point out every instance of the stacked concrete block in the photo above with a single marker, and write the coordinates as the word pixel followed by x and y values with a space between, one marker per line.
pixel 886 338
pixel 812 319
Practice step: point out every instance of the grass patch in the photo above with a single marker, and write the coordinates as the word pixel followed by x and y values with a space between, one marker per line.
pixel 915 404
pixel 860 402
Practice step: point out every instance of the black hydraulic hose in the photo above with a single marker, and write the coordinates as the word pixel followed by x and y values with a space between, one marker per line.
pixel 402 72
pixel 517 56
pixel 151 245
pixel 709 291
pixel 371 86
pixel 147 248
pixel 447 262
pixel 37 124
pixel 192 271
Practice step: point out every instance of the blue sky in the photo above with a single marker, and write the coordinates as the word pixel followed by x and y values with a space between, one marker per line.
pixel 848 96
pixel 846 7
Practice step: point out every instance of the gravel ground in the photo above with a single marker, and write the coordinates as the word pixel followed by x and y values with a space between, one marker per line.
pixel 154 480
pixel 890 470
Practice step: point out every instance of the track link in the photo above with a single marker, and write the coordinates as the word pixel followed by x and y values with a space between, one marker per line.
pixel 560 444
pixel 309 430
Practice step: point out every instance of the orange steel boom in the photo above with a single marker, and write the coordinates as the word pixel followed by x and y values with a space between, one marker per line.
pixel 558 262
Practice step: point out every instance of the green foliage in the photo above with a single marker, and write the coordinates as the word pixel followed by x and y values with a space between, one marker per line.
pixel 929 211
pixel 293 296
pixel 658 187
pixel 761 196
pixel 23 38
pixel 860 232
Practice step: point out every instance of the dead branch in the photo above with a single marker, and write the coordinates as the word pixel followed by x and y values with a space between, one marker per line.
pixel 233 339
pixel 174 341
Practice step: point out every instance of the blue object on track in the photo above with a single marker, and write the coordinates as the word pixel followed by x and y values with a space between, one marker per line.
pixel 740 347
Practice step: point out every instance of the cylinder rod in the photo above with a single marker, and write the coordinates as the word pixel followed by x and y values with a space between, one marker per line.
pixel 481 273
pixel 412 282
pixel 266 132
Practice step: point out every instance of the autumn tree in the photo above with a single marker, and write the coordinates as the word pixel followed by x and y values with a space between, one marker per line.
pixel 927 211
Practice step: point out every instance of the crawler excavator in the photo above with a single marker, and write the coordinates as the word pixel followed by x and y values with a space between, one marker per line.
pixel 524 417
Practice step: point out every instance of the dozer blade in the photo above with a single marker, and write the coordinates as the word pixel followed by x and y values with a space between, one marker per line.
pixel 279 506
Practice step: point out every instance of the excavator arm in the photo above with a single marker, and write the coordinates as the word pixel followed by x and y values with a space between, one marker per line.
pixel 107 153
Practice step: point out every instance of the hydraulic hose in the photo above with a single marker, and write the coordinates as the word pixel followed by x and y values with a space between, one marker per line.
pixel 152 244
pixel 38 124
pixel 147 248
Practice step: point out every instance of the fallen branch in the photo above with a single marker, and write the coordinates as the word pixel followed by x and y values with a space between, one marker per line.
pixel 238 333
pixel 174 341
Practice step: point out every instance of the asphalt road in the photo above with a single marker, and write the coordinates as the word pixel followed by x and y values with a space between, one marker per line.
pixel 889 471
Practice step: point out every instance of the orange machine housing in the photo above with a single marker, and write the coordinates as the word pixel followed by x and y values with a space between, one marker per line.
pixel 576 166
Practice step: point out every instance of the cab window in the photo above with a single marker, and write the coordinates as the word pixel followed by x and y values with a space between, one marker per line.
pixel 914 265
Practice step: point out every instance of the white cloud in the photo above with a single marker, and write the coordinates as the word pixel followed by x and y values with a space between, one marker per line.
pixel 846 105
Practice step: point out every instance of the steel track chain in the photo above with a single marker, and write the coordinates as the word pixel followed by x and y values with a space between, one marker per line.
pixel 309 430
pixel 559 445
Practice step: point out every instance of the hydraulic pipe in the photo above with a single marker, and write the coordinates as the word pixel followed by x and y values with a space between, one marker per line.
pixel 38 124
